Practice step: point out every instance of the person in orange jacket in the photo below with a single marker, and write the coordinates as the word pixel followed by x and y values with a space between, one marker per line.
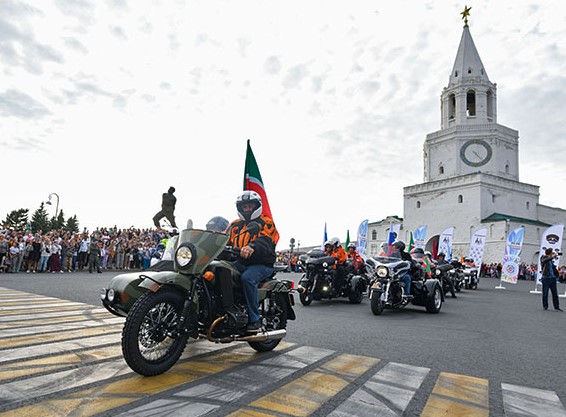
pixel 355 259
pixel 332 247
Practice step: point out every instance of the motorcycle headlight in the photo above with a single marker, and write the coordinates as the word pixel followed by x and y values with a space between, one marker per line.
pixel 437 272
pixel 325 265
pixel 111 295
pixel 103 294
pixel 184 256
pixel 382 271
pixel 300 262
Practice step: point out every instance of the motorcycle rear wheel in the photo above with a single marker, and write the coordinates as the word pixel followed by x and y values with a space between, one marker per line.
pixel 356 296
pixel 274 318
pixel 434 303
pixel 148 344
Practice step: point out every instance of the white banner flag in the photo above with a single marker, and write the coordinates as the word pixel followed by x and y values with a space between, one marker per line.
pixel 419 237
pixel 511 260
pixel 551 238
pixel 445 243
pixel 362 238
pixel 477 246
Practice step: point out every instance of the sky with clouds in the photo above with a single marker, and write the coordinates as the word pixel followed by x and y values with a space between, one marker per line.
pixel 108 103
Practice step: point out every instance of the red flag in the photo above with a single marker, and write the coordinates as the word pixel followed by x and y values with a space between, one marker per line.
pixel 253 182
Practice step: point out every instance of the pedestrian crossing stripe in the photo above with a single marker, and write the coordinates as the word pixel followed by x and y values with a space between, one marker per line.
pixel 76 369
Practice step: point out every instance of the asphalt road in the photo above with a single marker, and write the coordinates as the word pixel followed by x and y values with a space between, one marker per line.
pixel 500 335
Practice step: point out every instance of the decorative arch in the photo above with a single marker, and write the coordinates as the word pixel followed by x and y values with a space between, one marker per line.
pixel 490 104
pixel 451 106
pixel 460 198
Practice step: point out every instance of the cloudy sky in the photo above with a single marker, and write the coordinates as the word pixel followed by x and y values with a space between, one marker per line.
pixel 108 103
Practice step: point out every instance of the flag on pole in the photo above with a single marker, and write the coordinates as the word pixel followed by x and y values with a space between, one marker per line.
pixel 253 182
pixel 325 237
pixel 362 237
pixel 347 239
pixel 411 243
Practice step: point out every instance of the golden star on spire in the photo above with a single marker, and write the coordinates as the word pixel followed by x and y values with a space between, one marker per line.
pixel 465 14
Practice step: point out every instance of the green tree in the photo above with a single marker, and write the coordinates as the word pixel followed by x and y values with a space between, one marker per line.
pixel 72 224
pixel 59 222
pixel 39 220
pixel 17 218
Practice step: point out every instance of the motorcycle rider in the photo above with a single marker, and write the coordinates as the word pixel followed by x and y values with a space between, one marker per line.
pixel 332 248
pixel 355 259
pixel 399 251
pixel 441 260
pixel 254 233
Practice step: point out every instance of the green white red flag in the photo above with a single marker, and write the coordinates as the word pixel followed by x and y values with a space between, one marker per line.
pixel 253 182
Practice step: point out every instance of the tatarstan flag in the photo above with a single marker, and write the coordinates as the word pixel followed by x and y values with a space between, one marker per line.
pixel 253 182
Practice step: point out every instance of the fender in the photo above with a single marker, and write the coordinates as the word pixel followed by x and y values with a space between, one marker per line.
pixel 354 282
pixel 154 280
pixel 430 284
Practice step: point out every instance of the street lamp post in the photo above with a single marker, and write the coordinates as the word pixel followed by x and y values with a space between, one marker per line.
pixel 57 204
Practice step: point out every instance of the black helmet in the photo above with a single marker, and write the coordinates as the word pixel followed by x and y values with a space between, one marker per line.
pixel 418 251
pixel 399 245
pixel 441 254
pixel 217 224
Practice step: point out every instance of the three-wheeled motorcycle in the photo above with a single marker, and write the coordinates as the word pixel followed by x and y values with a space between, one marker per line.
pixel 163 308
pixel 387 289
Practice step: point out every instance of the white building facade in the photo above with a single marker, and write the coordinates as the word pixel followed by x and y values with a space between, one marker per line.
pixel 471 173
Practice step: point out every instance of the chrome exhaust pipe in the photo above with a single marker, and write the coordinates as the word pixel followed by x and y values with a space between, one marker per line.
pixel 264 336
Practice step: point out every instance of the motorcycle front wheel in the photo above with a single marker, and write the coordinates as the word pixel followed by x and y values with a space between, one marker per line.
pixel 377 304
pixel 306 298
pixel 150 342
pixel 274 317
pixel 356 296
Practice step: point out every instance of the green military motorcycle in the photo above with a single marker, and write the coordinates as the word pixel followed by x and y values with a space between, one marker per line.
pixel 163 308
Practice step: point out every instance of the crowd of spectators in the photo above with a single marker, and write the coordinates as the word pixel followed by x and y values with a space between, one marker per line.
pixel 60 251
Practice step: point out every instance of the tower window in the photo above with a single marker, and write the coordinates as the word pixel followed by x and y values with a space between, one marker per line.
pixel 489 105
pixel 507 168
pixel 418 204
pixel 441 169
pixel 374 235
pixel 469 70
pixel 528 205
pixel 493 198
pixel 460 198
pixel 455 73
pixel 471 103
pixel 451 106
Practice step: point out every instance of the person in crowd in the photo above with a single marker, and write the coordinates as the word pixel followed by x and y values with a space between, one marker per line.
pixel 168 201
pixel 45 254
pixel 255 235
pixel 94 256
pixel 83 251
pixel 549 278
pixel 4 248
pixel 55 265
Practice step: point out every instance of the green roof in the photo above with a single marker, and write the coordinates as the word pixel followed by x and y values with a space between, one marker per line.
pixel 498 217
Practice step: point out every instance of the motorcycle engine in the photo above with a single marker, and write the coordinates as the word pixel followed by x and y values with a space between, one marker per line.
pixel 237 317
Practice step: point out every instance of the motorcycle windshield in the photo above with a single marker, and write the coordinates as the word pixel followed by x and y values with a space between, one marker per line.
pixel 208 246
pixel 386 259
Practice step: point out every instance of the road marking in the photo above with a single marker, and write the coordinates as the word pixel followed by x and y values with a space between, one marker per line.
pixel 522 402
pixel 38 308
pixel 22 324
pixel 102 398
pixel 387 393
pixel 58 337
pixel 206 397
pixel 85 311
pixel 458 395
pixel 307 393
pixel 65 328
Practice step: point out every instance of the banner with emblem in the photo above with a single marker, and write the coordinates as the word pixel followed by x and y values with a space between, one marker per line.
pixel 445 242
pixel 362 237
pixel 511 259
pixel 419 236
pixel 477 245
pixel 551 238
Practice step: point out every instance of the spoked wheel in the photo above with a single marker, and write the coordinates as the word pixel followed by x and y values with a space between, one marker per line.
pixel 150 342
pixel 274 317
pixel 434 303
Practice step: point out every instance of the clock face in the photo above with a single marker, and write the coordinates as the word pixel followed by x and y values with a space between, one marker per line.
pixel 476 152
